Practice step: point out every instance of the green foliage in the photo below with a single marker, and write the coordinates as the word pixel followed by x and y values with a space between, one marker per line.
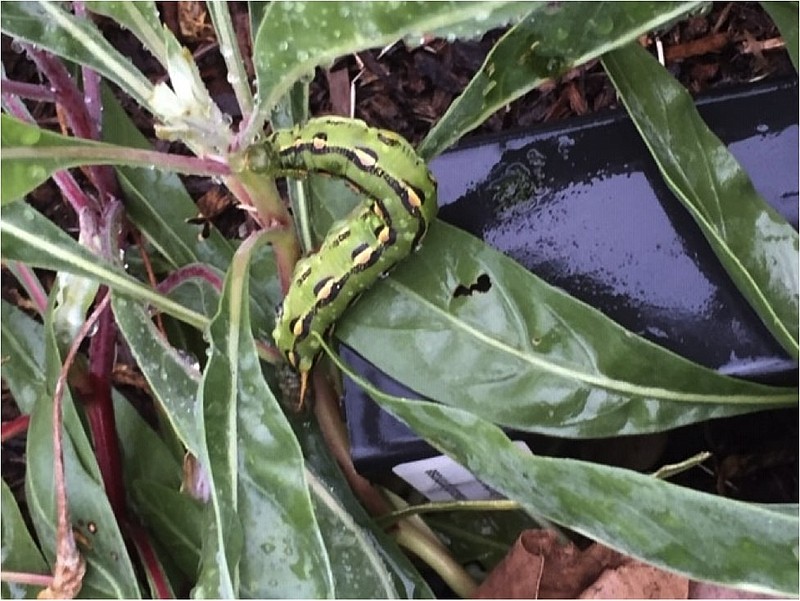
pixel 280 520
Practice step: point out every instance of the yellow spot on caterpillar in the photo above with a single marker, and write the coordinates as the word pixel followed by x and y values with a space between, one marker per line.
pixel 319 143
pixel 291 358
pixel 384 235
pixel 376 208
pixel 297 327
pixel 325 291
pixel 413 198
pixel 366 159
pixel 364 256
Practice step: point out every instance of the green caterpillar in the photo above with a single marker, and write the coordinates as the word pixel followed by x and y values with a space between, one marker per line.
pixel 400 204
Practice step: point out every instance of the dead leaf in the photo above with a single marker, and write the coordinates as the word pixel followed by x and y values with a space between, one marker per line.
pixel 636 580
pixel 540 566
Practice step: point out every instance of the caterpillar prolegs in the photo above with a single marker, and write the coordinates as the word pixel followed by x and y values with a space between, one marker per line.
pixel 400 203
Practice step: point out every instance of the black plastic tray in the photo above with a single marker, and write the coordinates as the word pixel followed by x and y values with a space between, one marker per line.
pixel 582 205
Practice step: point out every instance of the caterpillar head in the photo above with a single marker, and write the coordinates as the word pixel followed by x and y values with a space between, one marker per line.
pixel 260 158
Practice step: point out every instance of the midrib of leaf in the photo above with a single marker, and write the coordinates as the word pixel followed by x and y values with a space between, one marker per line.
pixel 598 381
pixel 720 240
pixel 710 230
pixel 114 280
pixel 20 352
pixel 325 497
pixel 139 87
pixel 156 44
pixel 36 503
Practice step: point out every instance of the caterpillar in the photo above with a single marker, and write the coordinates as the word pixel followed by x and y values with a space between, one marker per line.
pixel 400 203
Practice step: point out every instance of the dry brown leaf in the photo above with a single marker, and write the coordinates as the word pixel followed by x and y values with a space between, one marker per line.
pixel 540 566
pixel 194 22
pixel 636 580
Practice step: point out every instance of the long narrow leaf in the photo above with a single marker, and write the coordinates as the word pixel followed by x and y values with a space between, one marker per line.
pixel 29 237
pixel 31 155
pixel 172 382
pixel 49 26
pixel 544 45
pixel 702 536
pixel 255 467
pixel 294 38
pixel 20 553
pixel 526 355
pixel 754 243
pixel 109 573
pixel 23 344
pixel 141 18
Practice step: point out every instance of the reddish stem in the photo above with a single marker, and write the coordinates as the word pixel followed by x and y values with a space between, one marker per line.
pixel 80 121
pixel 152 565
pixel 16 426
pixel 100 409
pixel 30 91
pixel 180 275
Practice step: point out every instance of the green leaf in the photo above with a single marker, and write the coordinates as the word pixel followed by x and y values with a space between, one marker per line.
pixel 153 478
pixel 23 367
pixel 174 519
pixel 295 37
pixel 785 16
pixel 31 155
pixel 141 19
pixel 559 366
pixel 173 381
pixel 48 26
pixel 109 572
pixel 547 43
pixel 347 515
pixel 255 468
pixel 349 545
pixel 20 553
pixel 699 535
pixel 29 237
pixel 754 243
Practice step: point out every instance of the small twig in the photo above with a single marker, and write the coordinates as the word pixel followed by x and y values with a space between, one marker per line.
pixel 26 578
pixel 751 46
pixel 70 564
pixel 438 507
pixel 723 16
pixel 32 286
pixel 672 469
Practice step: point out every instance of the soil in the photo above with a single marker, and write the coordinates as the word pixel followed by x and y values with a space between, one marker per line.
pixel 407 90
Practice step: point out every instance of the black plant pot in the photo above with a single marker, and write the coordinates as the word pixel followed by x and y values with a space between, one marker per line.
pixel 582 205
